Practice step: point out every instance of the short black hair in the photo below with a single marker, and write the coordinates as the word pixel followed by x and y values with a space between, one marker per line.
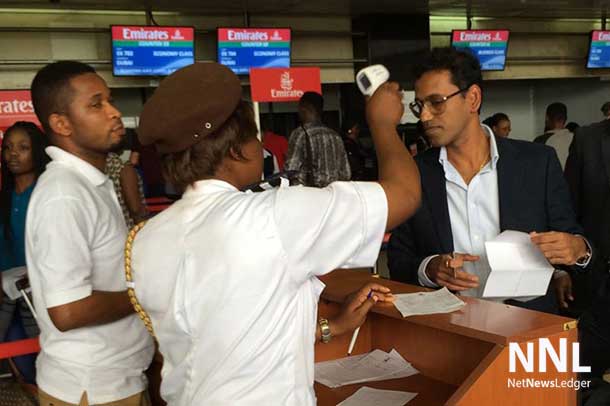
pixel 572 126
pixel 51 91
pixel 605 108
pixel 495 119
pixel 313 100
pixel 463 66
pixel 557 112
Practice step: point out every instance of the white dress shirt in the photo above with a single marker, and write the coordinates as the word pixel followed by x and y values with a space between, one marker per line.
pixel 474 213
pixel 75 236
pixel 229 281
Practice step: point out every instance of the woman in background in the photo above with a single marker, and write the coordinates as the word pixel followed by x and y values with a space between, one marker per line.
pixel 499 123
pixel 23 159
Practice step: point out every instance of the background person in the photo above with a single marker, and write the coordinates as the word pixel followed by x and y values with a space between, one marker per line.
pixel 23 160
pixel 314 150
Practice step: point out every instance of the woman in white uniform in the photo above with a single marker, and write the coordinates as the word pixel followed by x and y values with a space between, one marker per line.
pixel 227 277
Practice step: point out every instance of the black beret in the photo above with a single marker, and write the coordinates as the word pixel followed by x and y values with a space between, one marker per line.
pixel 188 105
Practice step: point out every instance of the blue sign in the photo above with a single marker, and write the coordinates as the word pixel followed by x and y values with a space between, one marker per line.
pixel 489 46
pixel 243 48
pixel 151 51
pixel 599 50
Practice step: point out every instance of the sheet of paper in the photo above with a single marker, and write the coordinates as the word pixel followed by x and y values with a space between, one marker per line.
pixel 9 277
pixel 366 396
pixel 438 301
pixel 518 267
pixel 377 365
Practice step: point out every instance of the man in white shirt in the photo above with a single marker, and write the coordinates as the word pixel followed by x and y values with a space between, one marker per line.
pixel 556 134
pixel 233 293
pixel 94 349
pixel 474 186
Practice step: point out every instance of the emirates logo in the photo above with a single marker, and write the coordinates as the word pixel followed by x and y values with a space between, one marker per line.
pixel 177 35
pixel 286 81
pixel 276 36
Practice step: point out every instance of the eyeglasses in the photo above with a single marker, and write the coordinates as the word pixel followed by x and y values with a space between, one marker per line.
pixel 434 103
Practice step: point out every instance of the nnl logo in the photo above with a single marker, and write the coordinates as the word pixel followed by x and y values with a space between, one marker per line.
pixel 546 348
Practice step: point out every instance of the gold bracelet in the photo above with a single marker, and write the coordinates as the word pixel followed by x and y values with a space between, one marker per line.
pixel 132 294
pixel 325 334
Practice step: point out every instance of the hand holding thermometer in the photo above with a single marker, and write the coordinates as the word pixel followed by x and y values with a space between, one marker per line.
pixel 370 78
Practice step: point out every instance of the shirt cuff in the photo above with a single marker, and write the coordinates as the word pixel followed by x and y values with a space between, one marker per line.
pixel 63 297
pixel 558 273
pixel 422 277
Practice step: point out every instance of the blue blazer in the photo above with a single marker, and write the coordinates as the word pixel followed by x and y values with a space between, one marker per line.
pixel 533 197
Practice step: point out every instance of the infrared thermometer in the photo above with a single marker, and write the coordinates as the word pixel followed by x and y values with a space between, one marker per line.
pixel 370 78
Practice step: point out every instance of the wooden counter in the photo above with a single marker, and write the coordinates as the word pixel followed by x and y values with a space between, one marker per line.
pixel 463 356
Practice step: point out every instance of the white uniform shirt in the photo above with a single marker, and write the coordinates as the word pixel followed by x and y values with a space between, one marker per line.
pixel 75 236
pixel 229 280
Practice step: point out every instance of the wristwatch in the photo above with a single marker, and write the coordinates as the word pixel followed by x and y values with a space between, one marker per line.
pixel 324 330
pixel 583 260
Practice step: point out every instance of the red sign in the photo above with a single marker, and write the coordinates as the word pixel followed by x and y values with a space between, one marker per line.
pixel 283 84
pixel 253 34
pixel 601 36
pixel 16 105
pixel 151 33
pixel 480 36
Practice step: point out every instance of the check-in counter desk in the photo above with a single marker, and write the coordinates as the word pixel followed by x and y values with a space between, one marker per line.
pixel 463 357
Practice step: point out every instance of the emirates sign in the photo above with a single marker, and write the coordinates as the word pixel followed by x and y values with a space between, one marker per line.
pixel 283 84
pixel 16 105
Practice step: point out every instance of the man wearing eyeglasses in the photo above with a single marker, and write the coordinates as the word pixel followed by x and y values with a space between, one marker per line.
pixel 474 186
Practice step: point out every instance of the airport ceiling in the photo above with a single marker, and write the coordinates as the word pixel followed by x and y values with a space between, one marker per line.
pixel 479 8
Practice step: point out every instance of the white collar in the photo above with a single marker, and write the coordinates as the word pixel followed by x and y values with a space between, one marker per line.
pixel 93 175
pixel 209 185
pixel 493 149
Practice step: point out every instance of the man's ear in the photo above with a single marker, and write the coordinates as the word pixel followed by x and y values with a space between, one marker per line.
pixel 475 98
pixel 60 124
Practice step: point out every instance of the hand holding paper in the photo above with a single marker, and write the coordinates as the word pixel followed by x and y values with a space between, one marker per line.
pixel 560 248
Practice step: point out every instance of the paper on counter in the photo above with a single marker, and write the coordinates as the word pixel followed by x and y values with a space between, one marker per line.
pixel 377 365
pixel 438 301
pixel 9 278
pixel 366 396
pixel 518 267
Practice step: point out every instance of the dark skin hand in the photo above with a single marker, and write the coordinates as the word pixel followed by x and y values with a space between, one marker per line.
pixel 563 289
pixel 356 307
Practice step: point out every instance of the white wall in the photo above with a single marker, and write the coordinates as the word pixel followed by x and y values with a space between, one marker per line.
pixel 525 101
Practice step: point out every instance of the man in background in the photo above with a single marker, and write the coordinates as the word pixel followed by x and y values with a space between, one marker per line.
pixel 314 150
pixel 556 134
